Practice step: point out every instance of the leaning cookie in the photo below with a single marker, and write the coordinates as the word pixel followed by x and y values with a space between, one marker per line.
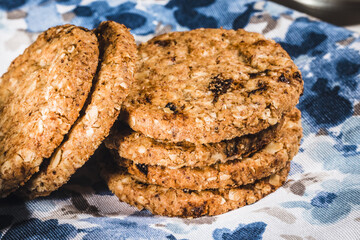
pixel 113 81
pixel 186 203
pixel 145 150
pixel 208 85
pixel 233 173
pixel 41 96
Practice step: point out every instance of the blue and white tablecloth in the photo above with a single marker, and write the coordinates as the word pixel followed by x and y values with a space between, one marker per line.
pixel 321 199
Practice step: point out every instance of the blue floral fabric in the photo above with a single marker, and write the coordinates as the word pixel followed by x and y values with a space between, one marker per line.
pixel 321 199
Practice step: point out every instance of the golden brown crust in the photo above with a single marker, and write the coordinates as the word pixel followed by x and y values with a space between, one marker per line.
pixel 207 85
pixel 232 173
pixel 184 203
pixel 145 150
pixel 113 82
pixel 41 96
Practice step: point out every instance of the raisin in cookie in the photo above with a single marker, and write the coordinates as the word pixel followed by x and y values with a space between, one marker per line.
pixel 208 85
pixel 112 84
pixel 41 96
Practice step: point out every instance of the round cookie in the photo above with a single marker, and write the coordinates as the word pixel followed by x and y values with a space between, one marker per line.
pixel 41 96
pixel 207 85
pixel 112 84
pixel 186 203
pixel 233 173
pixel 145 150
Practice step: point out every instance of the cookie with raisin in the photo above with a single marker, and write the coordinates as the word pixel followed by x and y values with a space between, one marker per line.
pixel 209 85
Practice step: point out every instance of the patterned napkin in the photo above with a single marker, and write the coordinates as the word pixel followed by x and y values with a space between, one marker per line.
pixel 321 199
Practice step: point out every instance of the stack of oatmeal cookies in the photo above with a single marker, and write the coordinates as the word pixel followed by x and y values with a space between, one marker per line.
pixel 210 124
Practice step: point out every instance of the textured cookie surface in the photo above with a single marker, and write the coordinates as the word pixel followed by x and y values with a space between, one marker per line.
pixel 145 150
pixel 41 96
pixel 113 82
pixel 207 85
pixel 185 203
pixel 232 173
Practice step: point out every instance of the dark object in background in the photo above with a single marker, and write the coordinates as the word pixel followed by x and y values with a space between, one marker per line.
pixel 338 12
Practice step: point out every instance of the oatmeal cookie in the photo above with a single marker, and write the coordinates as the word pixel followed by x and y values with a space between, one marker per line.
pixel 140 149
pixel 41 96
pixel 208 85
pixel 112 84
pixel 186 203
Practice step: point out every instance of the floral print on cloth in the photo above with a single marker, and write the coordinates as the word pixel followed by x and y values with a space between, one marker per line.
pixel 320 200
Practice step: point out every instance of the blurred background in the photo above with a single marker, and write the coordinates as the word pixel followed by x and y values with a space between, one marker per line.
pixel 339 12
